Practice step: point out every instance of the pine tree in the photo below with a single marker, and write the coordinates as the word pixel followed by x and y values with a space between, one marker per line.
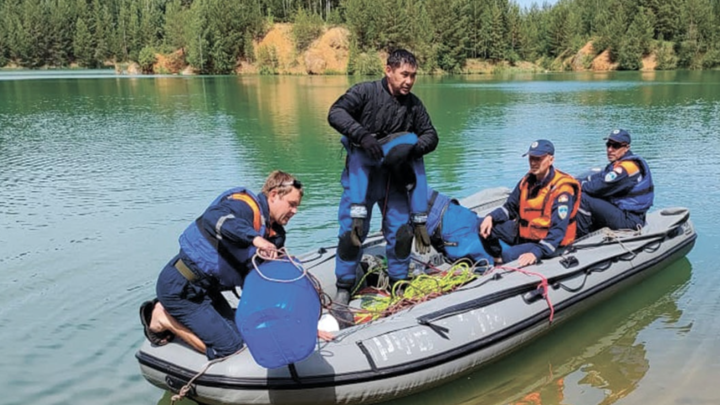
pixel 33 39
pixel 450 35
pixel 176 20
pixel 514 39
pixel 4 46
pixel 10 21
pixel 364 22
pixel 563 29
pixel 530 31
pixel 60 42
pixel 496 45
pixel 151 24
pixel 616 29
pixel 83 44
pixel 668 19
pixel 198 37
pixel 394 32
pixel 699 13
pixel 104 32
pixel 643 29
pixel 420 35
pixel 636 41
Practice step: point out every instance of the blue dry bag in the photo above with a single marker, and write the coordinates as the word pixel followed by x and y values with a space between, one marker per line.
pixel 278 313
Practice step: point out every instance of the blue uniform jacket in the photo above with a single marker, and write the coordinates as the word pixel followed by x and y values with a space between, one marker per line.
pixel 617 185
pixel 233 219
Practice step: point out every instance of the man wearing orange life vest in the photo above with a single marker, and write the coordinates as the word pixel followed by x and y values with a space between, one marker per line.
pixel 538 218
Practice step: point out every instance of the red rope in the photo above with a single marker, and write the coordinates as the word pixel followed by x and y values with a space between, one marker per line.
pixel 543 284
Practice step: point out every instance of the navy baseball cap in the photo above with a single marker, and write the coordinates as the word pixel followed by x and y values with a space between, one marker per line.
pixel 541 147
pixel 619 135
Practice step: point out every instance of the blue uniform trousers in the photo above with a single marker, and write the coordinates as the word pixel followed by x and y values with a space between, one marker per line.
pixel 604 214
pixel 201 307
pixel 504 242
pixel 396 213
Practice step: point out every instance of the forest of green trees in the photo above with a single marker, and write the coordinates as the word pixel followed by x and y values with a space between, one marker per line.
pixel 215 34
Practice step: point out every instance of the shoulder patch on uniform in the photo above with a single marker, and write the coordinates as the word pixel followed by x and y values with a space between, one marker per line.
pixel 563 211
pixel 563 198
pixel 619 170
pixel 610 176
pixel 630 167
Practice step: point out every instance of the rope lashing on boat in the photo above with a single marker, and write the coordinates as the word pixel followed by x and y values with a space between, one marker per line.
pixel 543 284
pixel 187 387
pixel 616 236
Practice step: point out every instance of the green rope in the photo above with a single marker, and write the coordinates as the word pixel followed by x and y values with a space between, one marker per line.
pixel 410 292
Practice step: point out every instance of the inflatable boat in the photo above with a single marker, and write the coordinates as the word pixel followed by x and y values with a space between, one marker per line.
pixel 437 340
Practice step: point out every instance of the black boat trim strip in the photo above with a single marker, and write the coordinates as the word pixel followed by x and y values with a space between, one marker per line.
pixel 531 285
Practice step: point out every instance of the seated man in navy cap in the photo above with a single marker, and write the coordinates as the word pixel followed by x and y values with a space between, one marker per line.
pixel 619 196
pixel 538 218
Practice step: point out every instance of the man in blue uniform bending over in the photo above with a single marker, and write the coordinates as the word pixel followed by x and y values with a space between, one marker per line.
pixel 619 196
pixel 538 218
pixel 367 115
pixel 455 230
pixel 215 255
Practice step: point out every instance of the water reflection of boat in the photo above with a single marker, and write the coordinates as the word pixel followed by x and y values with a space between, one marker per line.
pixel 593 359
pixel 438 340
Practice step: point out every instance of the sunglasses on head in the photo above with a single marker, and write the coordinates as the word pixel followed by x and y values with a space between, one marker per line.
pixel 294 183
pixel 615 145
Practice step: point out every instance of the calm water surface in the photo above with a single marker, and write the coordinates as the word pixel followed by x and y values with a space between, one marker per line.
pixel 99 175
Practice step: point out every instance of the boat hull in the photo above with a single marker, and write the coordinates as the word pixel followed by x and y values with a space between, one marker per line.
pixel 439 340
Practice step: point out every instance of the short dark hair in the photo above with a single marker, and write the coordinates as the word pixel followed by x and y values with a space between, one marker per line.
pixel 399 57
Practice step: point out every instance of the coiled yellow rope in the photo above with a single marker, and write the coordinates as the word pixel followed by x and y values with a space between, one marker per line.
pixel 410 292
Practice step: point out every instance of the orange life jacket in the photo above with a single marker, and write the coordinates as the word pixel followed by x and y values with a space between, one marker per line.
pixel 536 213
pixel 257 215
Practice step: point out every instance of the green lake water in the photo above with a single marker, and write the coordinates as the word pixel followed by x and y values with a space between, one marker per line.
pixel 99 174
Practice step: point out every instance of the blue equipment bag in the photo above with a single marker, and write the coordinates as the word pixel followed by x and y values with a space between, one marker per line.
pixel 278 313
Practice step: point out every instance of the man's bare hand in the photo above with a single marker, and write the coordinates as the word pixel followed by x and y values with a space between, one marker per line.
pixel 265 248
pixel 486 227
pixel 527 259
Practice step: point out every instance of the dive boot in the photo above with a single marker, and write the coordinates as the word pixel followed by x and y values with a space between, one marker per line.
pixel 340 310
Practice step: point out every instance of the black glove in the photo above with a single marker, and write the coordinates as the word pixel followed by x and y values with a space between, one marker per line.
pixel 420 148
pixel 417 151
pixel 357 231
pixel 422 239
pixel 371 146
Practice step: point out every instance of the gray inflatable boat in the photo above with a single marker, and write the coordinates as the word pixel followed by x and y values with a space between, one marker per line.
pixel 437 340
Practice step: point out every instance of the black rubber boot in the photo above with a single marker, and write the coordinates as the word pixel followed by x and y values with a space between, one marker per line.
pixel 342 296
pixel 340 310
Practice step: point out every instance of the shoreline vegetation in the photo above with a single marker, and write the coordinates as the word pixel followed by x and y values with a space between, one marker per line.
pixel 339 37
